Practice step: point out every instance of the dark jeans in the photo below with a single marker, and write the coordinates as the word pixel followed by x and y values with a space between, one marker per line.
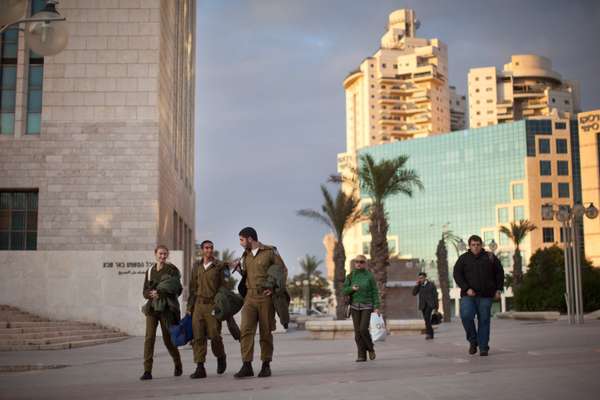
pixel 480 307
pixel 362 336
pixel 427 318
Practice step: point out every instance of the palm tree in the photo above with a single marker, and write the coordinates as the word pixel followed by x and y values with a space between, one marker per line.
pixel 443 271
pixel 379 181
pixel 517 233
pixel 226 256
pixel 309 266
pixel 338 214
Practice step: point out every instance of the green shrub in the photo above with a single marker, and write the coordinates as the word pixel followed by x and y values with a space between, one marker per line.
pixel 543 286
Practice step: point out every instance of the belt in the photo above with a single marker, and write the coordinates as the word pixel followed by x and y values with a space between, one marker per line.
pixel 205 300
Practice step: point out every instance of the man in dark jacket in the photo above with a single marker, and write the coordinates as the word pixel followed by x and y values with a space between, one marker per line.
pixel 480 276
pixel 428 301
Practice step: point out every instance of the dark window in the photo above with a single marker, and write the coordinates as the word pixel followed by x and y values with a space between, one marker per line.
pixel 18 220
pixel 545 168
pixel 562 168
pixel 548 235
pixel 544 146
pixel 560 125
pixel 563 190
pixel 8 80
pixel 546 189
pixel 561 146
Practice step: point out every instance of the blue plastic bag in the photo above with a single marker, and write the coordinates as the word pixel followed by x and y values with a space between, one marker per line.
pixel 182 333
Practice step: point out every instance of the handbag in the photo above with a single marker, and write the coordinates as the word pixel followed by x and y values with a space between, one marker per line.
pixel 436 318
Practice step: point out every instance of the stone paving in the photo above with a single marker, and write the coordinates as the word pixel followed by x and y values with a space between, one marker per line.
pixel 528 360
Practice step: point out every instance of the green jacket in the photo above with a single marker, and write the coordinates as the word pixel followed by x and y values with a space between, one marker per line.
pixel 168 286
pixel 367 292
pixel 227 304
pixel 276 278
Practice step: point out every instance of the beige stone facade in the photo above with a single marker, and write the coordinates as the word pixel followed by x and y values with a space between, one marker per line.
pixel 526 87
pixel 113 163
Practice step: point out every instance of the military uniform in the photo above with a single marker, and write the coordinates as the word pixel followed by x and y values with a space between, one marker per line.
pixel 204 285
pixel 258 308
pixel 153 319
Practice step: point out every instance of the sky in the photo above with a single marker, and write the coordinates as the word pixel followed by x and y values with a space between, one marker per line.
pixel 270 106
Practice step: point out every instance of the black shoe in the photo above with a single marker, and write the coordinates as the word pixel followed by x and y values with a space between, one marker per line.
pixel 483 353
pixel 200 372
pixel 178 370
pixel 428 337
pixel 246 371
pixel 221 365
pixel 372 355
pixel 146 377
pixel 472 348
pixel 265 371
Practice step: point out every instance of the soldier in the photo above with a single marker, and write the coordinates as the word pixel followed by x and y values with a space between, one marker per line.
pixel 207 277
pixel 258 306
pixel 162 287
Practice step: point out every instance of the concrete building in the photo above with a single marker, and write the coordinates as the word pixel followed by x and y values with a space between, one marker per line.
pixel 526 87
pixel 458 110
pixel 517 168
pixel 97 143
pixel 400 92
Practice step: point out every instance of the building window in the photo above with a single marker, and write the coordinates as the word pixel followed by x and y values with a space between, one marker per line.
pixel 8 80
pixel 502 215
pixel 517 190
pixel 561 146
pixel 18 220
pixel 548 235
pixel 546 216
pixel 365 228
pixel 488 236
pixel 392 246
pixel 503 241
pixel 544 146
pixel 545 168
pixel 546 189
pixel 366 246
pixel 383 65
pixel 562 168
pixel 563 190
pixel 518 213
pixel 560 125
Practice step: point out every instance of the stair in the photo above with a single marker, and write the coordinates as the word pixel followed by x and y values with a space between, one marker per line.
pixel 20 330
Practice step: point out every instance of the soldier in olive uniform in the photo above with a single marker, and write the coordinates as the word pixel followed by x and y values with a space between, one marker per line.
pixel 258 306
pixel 208 276
pixel 158 272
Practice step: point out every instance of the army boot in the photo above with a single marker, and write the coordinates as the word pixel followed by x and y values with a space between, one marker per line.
pixel 200 372
pixel 147 376
pixel 221 365
pixel 265 371
pixel 178 370
pixel 246 371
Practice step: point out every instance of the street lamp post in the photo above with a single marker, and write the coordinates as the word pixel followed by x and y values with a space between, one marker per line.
pixel 46 31
pixel 569 217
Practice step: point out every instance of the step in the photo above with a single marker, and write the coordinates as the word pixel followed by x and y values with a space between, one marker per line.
pixel 41 329
pixel 23 324
pixel 51 334
pixel 63 346
pixel 61 339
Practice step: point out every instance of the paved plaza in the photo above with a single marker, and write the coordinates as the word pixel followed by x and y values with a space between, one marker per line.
pixel 528 360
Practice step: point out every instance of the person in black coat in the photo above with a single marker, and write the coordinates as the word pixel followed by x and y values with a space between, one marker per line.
pixel 480 276
pixel 427 301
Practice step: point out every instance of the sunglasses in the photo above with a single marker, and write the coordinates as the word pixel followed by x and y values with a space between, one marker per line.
pixel 360 261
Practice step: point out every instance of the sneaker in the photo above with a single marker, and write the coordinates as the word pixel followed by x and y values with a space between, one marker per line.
pixel 200 372
pixel 245 372
pixel 472 349
pixel 146 377
pixel 221 365
pixel 265 371
pixel 483 353
pixel 372 355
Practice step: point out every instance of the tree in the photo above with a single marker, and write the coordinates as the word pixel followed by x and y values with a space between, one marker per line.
pixel 517 233
pixel 318 286
pixel 379 181
pixel 309 266
pixel 226 256
pixel 338 214
pixel 543 285
pixel 443 270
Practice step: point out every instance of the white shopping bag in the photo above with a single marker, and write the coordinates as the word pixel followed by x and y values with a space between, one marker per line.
pixel 377 328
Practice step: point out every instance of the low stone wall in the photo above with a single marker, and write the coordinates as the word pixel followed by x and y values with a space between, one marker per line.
pixel 530 315
pixel 343 329
pixel 104 287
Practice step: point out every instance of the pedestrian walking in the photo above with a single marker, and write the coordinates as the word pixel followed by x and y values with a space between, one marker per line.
pixel 428 301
